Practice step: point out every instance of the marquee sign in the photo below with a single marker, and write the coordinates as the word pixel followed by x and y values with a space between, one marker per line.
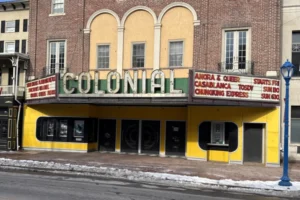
pixel 225 86
pixel 130 85
pixel 41 88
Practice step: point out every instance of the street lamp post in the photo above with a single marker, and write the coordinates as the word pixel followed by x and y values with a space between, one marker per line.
pixel 287 70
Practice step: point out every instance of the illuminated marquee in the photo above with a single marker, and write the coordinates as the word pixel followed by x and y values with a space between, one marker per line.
pixel 42 88
pixel 224 86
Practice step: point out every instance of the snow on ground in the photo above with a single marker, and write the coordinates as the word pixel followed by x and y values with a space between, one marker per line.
pixel 142 176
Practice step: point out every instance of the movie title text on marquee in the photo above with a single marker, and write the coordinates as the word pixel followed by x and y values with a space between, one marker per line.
pixel 223 86
pixel 42 88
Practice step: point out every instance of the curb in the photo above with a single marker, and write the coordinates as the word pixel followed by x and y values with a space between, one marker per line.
pixel 189 182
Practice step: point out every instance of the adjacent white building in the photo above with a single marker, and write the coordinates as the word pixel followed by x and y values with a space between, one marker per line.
pixel 291 51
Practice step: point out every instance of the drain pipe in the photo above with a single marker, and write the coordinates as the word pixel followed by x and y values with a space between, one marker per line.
pixel 16 99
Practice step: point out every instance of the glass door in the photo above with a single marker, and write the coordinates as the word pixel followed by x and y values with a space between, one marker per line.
pixel 130 136
pixel 107 135
pixel 3 134
pixel 150 137
pixel 175 138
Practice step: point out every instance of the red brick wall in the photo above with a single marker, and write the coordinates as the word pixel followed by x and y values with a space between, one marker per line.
pixel 263 16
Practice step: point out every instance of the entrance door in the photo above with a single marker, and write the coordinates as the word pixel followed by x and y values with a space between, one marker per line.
pixel 140 136
pixel 253 143
pixel 3 134
pixel 107 135
pixel 130 136
pixel 150 137
pixel 175 138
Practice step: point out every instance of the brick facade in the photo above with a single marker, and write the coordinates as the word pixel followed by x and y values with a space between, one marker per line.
pixel 262 16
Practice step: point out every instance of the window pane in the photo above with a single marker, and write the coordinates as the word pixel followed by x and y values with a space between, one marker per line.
pixel 10 26
pixel 78 128
pixel 56 57
pixel 217 135
pixel 63 128
pixel 138 55
pixel 295 130
pixel 296 37
pixel 10 47
pixel 103 56
pixel 176 54
pixel 58 6
pixel 242 50
pixel 61 56
pixel 229 50
pixel 50 127
pixel 296 53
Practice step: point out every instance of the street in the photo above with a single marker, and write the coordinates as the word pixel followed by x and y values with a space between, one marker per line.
pixel 32 186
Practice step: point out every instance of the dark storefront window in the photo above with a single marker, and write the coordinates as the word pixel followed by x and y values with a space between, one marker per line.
pixel 295 125
pixel 221 136
pixel 296 52
pixel 63 129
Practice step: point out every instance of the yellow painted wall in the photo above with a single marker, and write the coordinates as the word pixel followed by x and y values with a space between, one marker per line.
pixel 178 73
pixel 194 115
pixel 177 24
pixel 31 115
pixel 11 16
pixel 237 115
pixel 104 31
pixel 139 28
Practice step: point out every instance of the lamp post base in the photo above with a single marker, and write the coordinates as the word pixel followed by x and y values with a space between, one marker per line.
pixel 285 181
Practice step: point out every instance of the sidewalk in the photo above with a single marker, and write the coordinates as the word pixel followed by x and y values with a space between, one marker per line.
pixel 146 163
pixel 178 169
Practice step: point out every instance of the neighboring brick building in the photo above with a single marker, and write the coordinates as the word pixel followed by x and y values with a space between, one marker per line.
pixel 170 58
pixel 262 17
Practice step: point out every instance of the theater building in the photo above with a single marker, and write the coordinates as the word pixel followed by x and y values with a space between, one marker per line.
pixel 165 79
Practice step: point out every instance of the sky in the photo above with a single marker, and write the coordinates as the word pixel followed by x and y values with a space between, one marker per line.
pixel 5 0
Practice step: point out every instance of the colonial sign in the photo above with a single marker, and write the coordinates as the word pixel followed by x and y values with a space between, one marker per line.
pixel 224 86
pixel 114 83
pixel 42 88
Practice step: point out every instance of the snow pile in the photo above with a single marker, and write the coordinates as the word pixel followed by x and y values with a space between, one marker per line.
pixel 146 176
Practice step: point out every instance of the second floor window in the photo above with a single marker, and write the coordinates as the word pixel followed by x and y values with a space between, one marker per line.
pixel 58 6
pixel 10 26
pixel 56 57
pixel 236 44
pixel 103 56
pixel 176 54
pixel 138 55
pixel 9 47
pixel 296 53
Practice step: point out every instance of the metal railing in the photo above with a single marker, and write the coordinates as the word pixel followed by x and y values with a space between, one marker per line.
pixel 8 90
pixel 246 67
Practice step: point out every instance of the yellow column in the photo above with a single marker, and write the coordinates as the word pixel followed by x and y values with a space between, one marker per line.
pixel 162 151
pixel 118 136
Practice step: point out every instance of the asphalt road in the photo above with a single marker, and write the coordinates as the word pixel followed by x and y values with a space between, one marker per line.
pixel 32 186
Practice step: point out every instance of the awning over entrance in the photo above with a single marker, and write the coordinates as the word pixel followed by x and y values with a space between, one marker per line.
pixel 21 56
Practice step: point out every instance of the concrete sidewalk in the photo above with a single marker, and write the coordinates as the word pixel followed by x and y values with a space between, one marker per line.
pixel 144 163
